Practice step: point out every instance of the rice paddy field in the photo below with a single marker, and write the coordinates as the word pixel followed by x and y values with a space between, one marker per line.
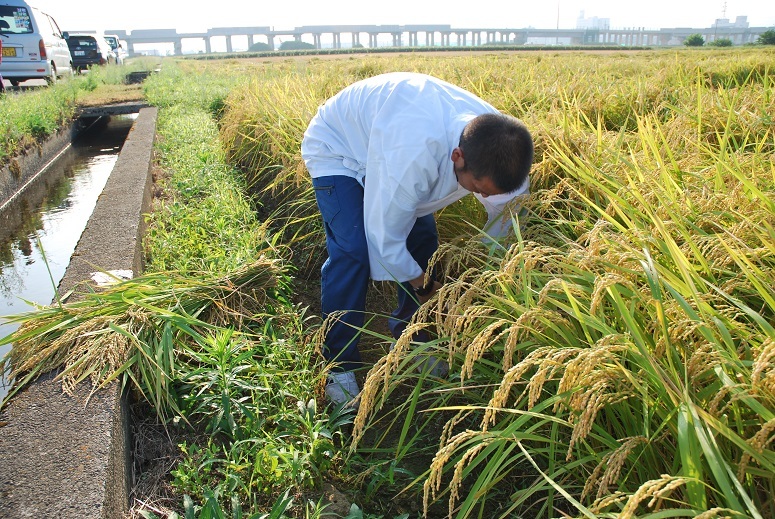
pixel 614 358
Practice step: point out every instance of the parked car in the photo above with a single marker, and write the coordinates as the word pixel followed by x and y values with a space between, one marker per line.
pixel 33 45
pixel 118 46
pixel 88 50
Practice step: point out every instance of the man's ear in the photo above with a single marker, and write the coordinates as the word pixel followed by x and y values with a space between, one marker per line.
pixel 458 160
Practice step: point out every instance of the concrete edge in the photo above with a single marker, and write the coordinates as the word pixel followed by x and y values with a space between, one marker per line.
pixel 24 170
pixel 68 456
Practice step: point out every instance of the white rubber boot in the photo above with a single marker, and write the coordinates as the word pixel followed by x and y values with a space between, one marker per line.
pixel 342 388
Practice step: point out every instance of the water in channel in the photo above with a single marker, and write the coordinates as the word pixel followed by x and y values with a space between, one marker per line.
pixel 35 254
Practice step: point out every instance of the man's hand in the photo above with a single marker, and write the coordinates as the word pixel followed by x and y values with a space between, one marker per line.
pixel 435 288
pixel 423 292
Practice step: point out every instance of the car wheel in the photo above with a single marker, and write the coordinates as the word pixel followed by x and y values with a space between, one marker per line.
pixel 52 79
pixel 15 83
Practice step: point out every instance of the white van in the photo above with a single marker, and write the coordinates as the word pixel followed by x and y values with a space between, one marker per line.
pixel 33 45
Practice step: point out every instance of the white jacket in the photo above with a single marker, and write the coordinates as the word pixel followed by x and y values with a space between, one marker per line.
pixel 395 134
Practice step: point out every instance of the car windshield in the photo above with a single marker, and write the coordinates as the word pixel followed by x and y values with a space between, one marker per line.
pixel 75 41
pixel 15 20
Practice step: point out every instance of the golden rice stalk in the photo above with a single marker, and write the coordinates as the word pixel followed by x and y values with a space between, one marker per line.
pixel 594 379
pixel 613 463
pixel 449 427
pixel 717 513
pixel 763 370
pixel 602 284
pixel 379 379
pixel 546 360
pixel 703 357
pixel 655 490
pixel 599 396
pixel 432 484
pixel 603 503
pixel 481 343
pixel 513 334
pixel 760 442
pixel 457 476
pixel 715 407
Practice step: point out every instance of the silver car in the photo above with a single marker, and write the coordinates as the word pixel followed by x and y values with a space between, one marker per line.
pixel 118 46
pixel 33 45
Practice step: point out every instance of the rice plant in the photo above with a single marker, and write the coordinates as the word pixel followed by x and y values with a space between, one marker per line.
pixel 616 360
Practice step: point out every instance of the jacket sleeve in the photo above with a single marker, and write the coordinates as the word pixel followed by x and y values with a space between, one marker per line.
pixel 394 186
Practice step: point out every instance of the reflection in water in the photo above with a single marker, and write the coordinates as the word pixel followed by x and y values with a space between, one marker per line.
pixel 52 225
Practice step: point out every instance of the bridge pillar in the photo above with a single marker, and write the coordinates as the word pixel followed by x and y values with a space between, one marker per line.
pixel 356 39
pixel 228 44
pixel 250 40
pixel 178 45
pixel 316 40
pixel 396 39
pixel 270 41
pixel 208 46
pixel 429 38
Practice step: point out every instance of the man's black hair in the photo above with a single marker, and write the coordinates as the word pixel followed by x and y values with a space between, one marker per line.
pixel 500 147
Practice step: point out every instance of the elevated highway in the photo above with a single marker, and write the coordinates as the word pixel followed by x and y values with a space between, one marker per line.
pixel 435 35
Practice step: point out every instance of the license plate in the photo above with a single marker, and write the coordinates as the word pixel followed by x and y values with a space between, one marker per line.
pixel 79 53
pixel 9 52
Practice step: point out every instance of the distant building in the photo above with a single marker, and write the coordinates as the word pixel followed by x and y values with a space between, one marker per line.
pixel 741 22
pixel 594 22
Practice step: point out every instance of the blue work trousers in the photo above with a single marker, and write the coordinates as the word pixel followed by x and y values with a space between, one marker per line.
pixel 345 274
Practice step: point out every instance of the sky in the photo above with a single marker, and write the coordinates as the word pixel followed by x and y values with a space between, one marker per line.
pixel 198 16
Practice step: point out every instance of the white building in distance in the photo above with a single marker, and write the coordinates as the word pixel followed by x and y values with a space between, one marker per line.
pixel 593 22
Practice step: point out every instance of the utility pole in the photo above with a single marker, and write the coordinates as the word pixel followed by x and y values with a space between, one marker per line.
pixel 723 17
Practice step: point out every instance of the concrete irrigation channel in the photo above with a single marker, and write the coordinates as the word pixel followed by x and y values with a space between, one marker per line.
pixel 67 456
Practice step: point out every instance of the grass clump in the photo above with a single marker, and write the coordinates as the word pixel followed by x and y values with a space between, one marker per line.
pixel 133 329
pixel 248 389
pixel 201 220
pixel 27 118
pixel 207 337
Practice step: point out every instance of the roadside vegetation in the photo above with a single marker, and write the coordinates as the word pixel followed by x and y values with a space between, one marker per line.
pixel 616 358
pixel 30 115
